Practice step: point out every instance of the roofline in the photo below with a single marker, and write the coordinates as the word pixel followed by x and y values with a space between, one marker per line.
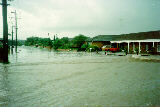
pixel 128 41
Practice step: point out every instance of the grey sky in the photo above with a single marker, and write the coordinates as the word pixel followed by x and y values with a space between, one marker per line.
pixel 88 17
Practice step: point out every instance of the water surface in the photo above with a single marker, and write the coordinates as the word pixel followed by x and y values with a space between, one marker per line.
pixel 42 78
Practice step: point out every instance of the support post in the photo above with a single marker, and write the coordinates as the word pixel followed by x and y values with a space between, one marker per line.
pixel 128 47
pixel 139 47
pixel 133 47
pixel 5 31
pixel 153 44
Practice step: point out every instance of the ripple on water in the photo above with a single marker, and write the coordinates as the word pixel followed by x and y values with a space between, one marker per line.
pixel 37 77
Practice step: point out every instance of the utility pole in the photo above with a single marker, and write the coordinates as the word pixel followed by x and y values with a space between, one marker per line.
pixel 16 28
pixel 12 46
pixel 54 38
pixel 5 31
pixel 12 38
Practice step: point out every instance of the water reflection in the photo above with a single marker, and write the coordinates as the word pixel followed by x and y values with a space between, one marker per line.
pixel 11 50
pixel 4 89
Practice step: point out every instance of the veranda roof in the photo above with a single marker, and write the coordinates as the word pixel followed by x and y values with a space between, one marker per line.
pixel 129 41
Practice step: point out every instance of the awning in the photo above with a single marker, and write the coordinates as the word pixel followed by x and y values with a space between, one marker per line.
pixel 129 41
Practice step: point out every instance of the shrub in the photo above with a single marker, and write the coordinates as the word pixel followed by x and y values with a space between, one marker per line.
pixel 137 50
pixel 84 47
pixel 93 48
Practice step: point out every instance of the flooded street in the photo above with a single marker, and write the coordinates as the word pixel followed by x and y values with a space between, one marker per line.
pixel 40 78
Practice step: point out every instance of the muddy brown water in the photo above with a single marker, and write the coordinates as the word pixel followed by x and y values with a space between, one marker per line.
pixel 40 78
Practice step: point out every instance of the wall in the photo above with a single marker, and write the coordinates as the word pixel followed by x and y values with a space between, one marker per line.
pixel 100 43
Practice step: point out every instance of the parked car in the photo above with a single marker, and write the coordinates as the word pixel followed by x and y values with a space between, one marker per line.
pixel 110 48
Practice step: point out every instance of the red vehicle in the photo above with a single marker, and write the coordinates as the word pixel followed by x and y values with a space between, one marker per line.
pixel 110 48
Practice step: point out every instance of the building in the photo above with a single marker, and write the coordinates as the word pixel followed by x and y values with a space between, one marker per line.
pixel 143 42
pixel 142 46
pixel 102 40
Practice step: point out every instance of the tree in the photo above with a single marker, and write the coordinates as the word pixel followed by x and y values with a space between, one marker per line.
pixel 84 47
pixel 57 43
pixel 65 43
pixel 46 42
pixel 93 48
pixel 29 41
pixel 65 40
pixel 79 40
pixel 32 41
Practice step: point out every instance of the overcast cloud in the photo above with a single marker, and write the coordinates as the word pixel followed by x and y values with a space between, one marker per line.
pixel 88 17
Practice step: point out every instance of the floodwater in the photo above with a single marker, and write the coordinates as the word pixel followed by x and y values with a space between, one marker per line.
pixel 40 78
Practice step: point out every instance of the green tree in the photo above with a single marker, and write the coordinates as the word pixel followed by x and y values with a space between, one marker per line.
pixel 47 42
pixel 84 47
pixel 30 41
pixel 57 43
pixel 79 40
pixel 93 48
pixel 38 41
pixel 66 44
pixel 65 40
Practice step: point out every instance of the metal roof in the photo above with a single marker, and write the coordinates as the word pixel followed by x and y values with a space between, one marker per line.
pixel 140 36
pixel 131 36
pixel 105 37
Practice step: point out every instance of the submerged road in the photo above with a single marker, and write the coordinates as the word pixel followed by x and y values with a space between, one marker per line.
pixel 40 78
